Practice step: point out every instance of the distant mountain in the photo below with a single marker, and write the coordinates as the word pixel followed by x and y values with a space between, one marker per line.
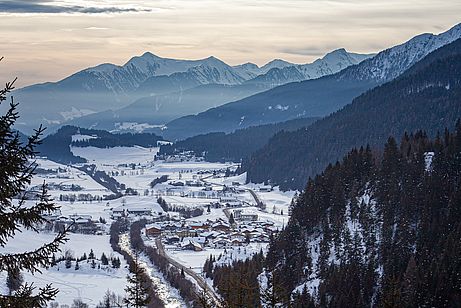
pixel 146 113
pixel 112 87
pixel 109 86
pixel 187 94
pixel 425 97
pixel 311 98
pixel 285 72
pixel 221 147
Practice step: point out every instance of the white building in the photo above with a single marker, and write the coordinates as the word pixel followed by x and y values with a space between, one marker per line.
pixel 243 216
pixel 230 201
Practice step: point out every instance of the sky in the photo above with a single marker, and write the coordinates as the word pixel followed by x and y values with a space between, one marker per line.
pixel 47 40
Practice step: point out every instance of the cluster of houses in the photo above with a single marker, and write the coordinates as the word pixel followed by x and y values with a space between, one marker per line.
pixel 79 223
pixel 179 157
pixel 134 212
pixel 196 236
pixel 190 183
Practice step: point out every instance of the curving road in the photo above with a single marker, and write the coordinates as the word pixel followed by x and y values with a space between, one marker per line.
pixel 258 201
pixel 199 279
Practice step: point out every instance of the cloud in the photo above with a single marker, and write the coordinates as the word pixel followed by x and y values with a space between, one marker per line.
pixel 47 7
pixel 96 28
pixel 307 51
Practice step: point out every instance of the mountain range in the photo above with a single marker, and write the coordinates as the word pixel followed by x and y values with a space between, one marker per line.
pixel 311 98
pixel 426 96
pixel 160 89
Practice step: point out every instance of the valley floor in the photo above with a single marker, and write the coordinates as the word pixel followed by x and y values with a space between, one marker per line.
pixel 82 198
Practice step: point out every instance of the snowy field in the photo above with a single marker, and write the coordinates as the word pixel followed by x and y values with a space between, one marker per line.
pixel 116 155
pixel 87 283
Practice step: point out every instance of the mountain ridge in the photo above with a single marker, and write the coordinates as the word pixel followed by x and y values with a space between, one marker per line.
pixel 315 98
pixel 425 97
pixel 110 87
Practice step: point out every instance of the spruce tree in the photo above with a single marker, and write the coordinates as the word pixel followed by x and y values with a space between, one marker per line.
pixel 231 219
pixel 272 294
pixel 137 291
pixel 104 259
pixel 91 255
pixel 16 171
pixel 14 280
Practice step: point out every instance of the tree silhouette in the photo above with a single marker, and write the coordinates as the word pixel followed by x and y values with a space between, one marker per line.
pixel 16 171
pixel 137 290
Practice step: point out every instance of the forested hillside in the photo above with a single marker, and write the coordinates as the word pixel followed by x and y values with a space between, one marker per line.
pixel 377 230
pixel 221 147
pixel 56 146
pixel 427 97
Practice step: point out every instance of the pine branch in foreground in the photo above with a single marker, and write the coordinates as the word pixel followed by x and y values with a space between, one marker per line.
pixel 17 168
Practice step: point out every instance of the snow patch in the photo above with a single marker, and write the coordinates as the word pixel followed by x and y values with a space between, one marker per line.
pixel 75 113
pixel 428 157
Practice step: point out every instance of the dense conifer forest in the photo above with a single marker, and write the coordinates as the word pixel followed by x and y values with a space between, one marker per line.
pixel 377 230
pixel 221 147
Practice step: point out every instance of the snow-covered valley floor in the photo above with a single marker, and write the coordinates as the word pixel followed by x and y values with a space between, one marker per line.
pixel 135 168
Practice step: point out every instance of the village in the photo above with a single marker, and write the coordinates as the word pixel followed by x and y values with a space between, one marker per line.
pixel 197 236
pixel 192 209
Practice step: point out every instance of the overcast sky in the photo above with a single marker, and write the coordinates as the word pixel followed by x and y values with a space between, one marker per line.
pixel 46 40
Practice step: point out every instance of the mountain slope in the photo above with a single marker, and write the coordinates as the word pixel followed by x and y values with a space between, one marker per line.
pixel 234 146
pixel 111 87
pixel 56 147
pixel 376 230
pixel 317 97
pixel 155 110
pixel 426 97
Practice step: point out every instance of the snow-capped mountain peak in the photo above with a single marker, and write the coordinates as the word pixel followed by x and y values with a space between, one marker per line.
pixel 332 62
pixel 213 70
pixel 283 72
pixel 247 70
pixel 276 63
pixel 393 61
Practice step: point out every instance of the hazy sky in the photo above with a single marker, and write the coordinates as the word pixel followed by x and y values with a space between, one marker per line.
pixel 46 40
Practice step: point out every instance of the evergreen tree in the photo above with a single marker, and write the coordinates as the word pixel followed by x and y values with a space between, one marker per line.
pixel 272 294
pixel 68 262
pixel 16 172
pixel 203 299
pixel 104 259
pixel 231 219
pixel 14 280
pixel 137 291
pixel 115 262
pixel 53 260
